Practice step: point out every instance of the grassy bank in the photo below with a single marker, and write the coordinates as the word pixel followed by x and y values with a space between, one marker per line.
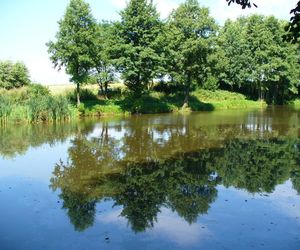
pixel 39 104
pixel 155 102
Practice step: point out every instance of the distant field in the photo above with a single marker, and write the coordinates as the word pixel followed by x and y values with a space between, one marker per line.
pixel 63 88
pixel 60 89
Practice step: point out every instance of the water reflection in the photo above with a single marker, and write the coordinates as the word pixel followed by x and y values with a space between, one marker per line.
pixel 16 140
pixel 146 164
pixel 202 181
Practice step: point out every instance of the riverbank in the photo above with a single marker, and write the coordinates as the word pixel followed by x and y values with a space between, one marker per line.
pixel 40 104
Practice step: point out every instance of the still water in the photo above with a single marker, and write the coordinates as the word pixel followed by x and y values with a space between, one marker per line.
pixel 218 180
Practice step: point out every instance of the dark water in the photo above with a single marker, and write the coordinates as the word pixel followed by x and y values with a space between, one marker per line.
pixel 221 180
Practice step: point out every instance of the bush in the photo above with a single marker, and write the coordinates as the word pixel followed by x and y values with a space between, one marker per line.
pixel 37 90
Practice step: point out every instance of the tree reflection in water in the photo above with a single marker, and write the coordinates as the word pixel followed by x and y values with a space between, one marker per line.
pixel 186 182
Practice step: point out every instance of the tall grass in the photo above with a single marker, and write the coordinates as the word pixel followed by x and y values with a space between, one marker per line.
pixel 5 107
pixel 34 104
pixel 49 108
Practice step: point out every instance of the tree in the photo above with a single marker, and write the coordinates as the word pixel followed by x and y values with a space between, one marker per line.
pixel 293 28
pixel 74 42
pixel 13 75
pixel 189 33
pixel 259 62
pixel 103 71
pixel 136 49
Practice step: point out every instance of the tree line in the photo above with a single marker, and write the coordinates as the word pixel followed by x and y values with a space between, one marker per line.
pixel 188 50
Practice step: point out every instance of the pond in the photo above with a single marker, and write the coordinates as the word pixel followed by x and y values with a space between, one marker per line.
pixel 208 180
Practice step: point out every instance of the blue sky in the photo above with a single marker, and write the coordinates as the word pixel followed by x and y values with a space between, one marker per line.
pixel 26 25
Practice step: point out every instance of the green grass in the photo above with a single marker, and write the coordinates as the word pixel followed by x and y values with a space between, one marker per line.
pixel 38 104
pixel 222 99
pixel 34 104
pixel 100 108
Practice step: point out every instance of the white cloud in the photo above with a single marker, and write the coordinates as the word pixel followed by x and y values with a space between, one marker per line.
pixel 169 225
pixel 178 230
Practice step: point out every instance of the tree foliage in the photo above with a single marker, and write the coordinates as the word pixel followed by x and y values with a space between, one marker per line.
pixel 103 69
pixel 243 3
pixel 189 35
pixel 258 62
pixel 293 28
pixel 186 51
pixel 136 49
pixel 13 75
pixel 74 42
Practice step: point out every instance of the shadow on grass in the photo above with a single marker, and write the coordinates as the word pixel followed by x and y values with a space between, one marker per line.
pixel 146 104
pixel 152 103
pixel 194 103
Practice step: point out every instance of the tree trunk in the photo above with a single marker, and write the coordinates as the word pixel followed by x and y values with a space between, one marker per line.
pixel 105 90
pixel 187 93
pixel 101 91
pixel 78 94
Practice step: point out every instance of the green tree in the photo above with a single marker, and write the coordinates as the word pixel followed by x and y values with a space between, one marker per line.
pixel 189 33
pixel 259 62
pixel 74 42
pixel 136 49
pixel 103 71
pixel 235 55
pixel 293 28
pixel 13 75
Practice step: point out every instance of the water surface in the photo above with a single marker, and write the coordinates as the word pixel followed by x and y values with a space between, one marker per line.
pixel 209 180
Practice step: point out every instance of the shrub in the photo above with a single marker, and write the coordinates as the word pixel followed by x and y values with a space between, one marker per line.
pixel 37 90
